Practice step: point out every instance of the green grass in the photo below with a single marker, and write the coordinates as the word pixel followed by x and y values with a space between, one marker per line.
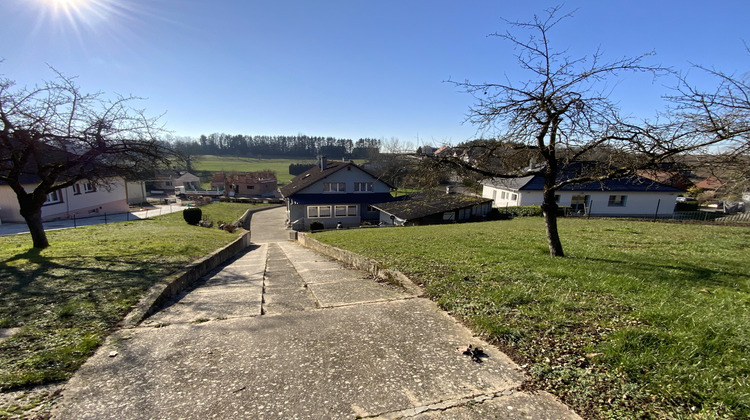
pixel 641 320
pixel 67 298
pixel 242 164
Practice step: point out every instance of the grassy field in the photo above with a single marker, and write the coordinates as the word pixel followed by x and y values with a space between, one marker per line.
pixel 242 164
pixel 641 320
pixel 65 299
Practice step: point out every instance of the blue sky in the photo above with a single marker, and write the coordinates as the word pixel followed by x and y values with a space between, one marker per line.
pixel 349 68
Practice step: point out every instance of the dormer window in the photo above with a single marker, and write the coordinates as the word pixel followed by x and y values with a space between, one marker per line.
pixel 329 187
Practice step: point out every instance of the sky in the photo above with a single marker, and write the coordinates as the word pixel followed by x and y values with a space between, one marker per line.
pixel 346 68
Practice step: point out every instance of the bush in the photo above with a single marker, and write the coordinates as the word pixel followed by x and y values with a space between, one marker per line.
pixel 522 211
pixel 317 226
pixel 192 215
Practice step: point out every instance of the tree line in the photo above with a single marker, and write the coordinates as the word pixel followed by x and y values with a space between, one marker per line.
pixel 299 146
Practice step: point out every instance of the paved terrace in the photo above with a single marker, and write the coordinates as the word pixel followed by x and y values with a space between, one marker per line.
pixel 281 332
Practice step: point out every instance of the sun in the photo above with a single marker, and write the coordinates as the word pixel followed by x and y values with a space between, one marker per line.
pixel 75 14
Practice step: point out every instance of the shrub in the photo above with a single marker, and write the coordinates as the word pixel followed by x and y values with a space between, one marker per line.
pixel 521 211
pixel 192 215
pixel 317 226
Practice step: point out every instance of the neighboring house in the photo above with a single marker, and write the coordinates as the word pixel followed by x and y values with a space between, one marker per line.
pixel 165 181
pixel 333 192
pixel 433 207
pixel 674 179
pixel 626 197
pixel 710 184
pixel 136 192
pixel 83 199
pixel 261 183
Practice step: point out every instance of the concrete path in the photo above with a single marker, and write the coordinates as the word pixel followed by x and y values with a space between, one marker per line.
pixel 282 332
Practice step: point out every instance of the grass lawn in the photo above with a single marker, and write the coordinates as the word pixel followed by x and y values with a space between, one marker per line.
pixel 244 164
pixel 640 320
pixel 67 298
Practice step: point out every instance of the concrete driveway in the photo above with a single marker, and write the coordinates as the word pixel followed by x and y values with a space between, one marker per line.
pixel 282 332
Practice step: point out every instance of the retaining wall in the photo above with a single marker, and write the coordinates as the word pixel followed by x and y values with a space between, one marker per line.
pixel 361 263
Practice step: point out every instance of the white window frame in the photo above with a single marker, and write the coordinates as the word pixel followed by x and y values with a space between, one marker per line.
pixel 617 200
pixel 363 187
pixel 89 187
pixel 76 189
pixel 334 187
pixel 53 197
pixel 346 210
pixel 318 212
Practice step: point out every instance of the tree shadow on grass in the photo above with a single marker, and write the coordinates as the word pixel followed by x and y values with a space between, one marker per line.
pixel 690 274
pixel 41 284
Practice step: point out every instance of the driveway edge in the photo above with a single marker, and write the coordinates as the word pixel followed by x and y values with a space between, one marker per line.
pixel 164 290
pixel 361 263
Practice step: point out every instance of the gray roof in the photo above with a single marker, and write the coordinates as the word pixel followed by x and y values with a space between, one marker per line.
pixel 315 174
pixel 426 203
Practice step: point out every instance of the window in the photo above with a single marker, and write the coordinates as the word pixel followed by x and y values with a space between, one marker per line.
pixel 345 210
pixel 76 189
pixel 89 187
pixel 363 187
pixel 53 198
pixel 334 187
pixel 617 200
pixel 251 187
pixel 514 197
pixel 318 211
pixel 504 195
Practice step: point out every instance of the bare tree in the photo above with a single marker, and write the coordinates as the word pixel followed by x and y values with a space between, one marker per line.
pixel 54 135
pixel 558 118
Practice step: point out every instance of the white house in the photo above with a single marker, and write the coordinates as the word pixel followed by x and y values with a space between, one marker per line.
pixel 167 180
pixel 334 192
pixel 625 197
pixel 83 199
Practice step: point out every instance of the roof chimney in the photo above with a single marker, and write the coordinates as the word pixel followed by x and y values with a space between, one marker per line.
pixel 323 163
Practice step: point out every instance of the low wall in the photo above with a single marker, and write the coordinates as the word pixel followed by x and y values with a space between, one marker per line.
pixel 244 221
pixel 361 263
pixel 163 291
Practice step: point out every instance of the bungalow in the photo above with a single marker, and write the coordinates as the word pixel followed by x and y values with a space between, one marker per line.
pixel 432 207
pixel 262 183
pixel 165 181
pixel 633 196
pixel 334 192
pixel 82 199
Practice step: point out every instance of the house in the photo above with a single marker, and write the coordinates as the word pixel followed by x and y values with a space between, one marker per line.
pixel 83 199
pixel 710 184
pixel 634 196
pixel 433 207
pixel 262 183
pixel 165 181
pixel 333 192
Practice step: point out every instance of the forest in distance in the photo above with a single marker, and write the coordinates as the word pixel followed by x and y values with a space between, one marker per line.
pixel 297 146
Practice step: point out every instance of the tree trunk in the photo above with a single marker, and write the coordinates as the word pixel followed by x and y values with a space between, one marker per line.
pixel 549 209
pixel 33 216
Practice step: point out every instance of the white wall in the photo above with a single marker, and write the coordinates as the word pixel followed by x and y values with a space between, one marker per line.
pixel 348 175
pixel 642 203
pixel 73 205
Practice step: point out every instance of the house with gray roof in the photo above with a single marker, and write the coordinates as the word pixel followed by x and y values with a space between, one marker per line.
pixel 334 192
pixel 433 207
pixel 633 196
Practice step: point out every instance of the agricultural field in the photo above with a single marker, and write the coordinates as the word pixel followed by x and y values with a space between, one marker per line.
pixel 210 163
pixel 640 320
